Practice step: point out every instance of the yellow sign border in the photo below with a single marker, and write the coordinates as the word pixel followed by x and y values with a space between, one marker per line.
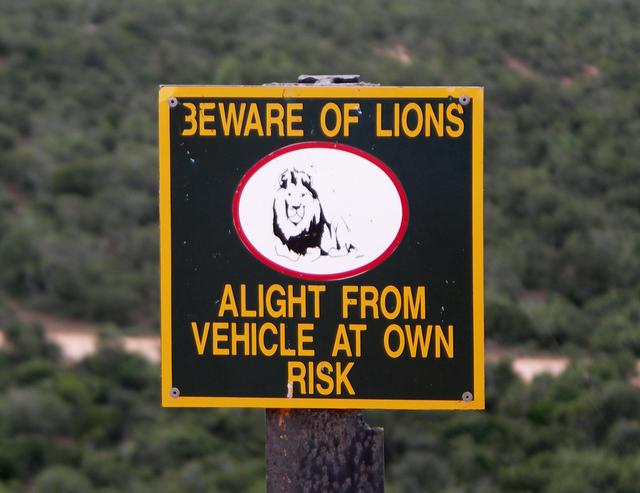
pixel 326 92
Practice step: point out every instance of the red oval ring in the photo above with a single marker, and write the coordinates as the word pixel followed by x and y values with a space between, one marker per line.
pixel 321 277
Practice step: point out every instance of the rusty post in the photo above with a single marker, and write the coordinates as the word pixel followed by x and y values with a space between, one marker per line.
pixel 323 450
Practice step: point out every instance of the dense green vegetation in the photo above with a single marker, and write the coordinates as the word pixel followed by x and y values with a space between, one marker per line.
pixel 79 237
pixel 97 428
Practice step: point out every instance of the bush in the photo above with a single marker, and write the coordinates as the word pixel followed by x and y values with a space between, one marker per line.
pixel 61 479
pixel 505 321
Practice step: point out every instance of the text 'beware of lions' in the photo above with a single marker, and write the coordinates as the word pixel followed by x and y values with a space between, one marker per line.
pixel 410 119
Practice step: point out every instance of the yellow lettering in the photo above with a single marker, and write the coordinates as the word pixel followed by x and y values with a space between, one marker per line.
pixel 218 338
pixel 405 120
pixel 457 128
pixel 263 348
pixel 305 375
pixel 393 353
pixel 260 300
pixel 190 119
pixel 281 304
pixel 447 343
pixel 346 301
pixel 244 311
pixel 316 290
pixel 414 307
pixel 358 329
pixel 304 339
pixel 293 119
pixel 421 339
pixel 380 132
pixel 200 341
pixel 348 117
pixel 230 117
pixel 368 299
pixel 275 117
pixel 284 350
pixel 254 124
pixel 333 107
pixel 205 118
pixel 254 339
pixel 300 300
pixel 396 119
pixel 437 122
pixel 342 379
pixel 296 371
pixel 228 302
pixel 341 342
pixel 322 370
pixel 237 337
pixel 397 305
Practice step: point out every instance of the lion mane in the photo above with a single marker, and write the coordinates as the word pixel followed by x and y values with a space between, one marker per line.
pixel 298 219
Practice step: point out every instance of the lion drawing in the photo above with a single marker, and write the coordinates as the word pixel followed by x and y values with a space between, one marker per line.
pixel 299 223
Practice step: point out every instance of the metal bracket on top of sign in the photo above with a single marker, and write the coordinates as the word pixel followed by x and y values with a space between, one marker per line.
pixel 325 80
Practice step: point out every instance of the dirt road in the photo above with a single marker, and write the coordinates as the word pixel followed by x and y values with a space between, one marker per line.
pixel 78 339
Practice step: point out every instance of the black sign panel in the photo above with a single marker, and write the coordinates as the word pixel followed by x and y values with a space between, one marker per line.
pixel 321 247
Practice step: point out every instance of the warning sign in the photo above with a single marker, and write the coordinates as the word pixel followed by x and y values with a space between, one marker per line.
pixel 321 247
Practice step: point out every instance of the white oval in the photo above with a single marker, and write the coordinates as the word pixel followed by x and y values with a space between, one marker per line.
pixel 363 206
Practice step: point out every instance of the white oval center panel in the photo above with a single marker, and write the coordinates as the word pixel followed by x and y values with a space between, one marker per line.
pixel 320 210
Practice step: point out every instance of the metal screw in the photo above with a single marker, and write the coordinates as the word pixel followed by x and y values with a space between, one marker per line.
pixel 464 100
pixel 173 102
pixel 174 392
pixel 467 397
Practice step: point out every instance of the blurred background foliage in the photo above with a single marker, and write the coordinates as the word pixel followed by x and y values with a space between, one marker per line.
pixel 79 231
